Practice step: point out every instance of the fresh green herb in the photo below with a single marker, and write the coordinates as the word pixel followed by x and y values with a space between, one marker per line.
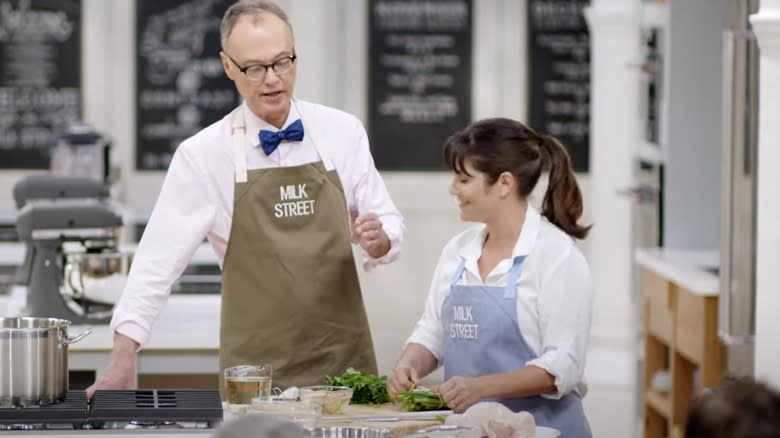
pixel 367 389
pixel 420 400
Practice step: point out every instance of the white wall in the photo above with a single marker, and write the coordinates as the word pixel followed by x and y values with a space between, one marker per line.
pixel 693 152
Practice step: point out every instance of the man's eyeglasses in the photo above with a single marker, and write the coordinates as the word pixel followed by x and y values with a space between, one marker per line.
pixel 256 72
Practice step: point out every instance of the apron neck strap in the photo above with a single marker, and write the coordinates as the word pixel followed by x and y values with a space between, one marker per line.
pixel 510 290
pixel 311 128
pixel 238 133
pixel 458 272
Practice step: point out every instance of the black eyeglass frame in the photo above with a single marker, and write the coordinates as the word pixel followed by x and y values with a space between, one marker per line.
pixel 272 65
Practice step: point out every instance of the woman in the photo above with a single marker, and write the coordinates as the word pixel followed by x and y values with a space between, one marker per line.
pixel 509 309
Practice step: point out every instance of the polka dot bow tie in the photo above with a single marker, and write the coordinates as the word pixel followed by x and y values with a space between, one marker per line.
pixel 269 140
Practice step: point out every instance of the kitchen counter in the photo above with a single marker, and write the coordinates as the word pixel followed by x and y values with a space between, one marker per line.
pixel 679 334
pixel 687 268
pixel 185 339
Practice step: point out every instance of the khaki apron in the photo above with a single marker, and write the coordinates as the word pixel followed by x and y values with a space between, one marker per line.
pixel 290 290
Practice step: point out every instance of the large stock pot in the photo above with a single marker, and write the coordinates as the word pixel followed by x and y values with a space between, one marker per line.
pixel 34 360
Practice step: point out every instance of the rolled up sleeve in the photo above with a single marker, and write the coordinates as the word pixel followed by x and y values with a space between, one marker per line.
pixel 564 322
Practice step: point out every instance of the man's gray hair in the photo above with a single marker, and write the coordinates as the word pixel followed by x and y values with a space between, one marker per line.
pixel 248 7
pixel 260 425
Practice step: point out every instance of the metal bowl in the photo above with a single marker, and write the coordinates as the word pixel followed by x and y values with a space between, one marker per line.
pixel 349 432
pixel 96 277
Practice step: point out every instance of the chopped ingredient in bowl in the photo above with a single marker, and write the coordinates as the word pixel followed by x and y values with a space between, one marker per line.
pixel 328 398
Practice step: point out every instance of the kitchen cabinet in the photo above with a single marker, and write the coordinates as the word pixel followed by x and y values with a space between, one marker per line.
pixel 679 336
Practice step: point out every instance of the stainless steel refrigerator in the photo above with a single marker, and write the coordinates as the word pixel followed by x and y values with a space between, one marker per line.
pixel 738 192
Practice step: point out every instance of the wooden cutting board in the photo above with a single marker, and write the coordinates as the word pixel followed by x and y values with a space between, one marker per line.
pixel 398 428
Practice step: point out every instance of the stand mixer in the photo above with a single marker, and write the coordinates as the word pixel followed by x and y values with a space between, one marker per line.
pixel 71 235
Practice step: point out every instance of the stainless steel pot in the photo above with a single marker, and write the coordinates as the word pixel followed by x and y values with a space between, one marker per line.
pixel 34 360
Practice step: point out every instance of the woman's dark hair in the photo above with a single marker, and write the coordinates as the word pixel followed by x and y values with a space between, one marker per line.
pixel 495 146
pixel 737 408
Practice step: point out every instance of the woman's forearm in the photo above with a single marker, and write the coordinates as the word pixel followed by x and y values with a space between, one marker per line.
pixel 525 382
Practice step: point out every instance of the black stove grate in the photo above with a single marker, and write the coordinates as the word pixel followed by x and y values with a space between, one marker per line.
pixel 72 410
pixel 176 405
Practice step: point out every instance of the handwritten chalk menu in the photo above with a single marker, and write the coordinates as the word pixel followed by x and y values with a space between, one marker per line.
pixel 559 63
pixel 40 78
pixel 419 79
pixel 181 85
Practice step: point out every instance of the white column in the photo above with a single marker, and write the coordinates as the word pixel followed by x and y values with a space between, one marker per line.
pixel 614 135
pixel 766 24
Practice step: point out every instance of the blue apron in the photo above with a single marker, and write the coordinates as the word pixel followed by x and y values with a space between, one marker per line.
pixel 481 336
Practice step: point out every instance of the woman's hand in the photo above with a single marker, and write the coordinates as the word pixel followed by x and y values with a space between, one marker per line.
pixel 459 392
pixel 402 378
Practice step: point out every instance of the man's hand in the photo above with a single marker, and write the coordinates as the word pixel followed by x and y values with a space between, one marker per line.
pixel 402 378
pixel 120 373
pixel 368 232
pixel 459 392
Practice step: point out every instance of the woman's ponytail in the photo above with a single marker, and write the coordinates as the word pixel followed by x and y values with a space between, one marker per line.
pixel 562 204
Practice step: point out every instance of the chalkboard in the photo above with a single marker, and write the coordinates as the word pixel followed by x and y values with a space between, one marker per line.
pixel 181 87
pixel 559 63
pixel 40 78
pixel 419 79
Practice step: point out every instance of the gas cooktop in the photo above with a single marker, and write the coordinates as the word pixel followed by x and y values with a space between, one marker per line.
pixel 125 409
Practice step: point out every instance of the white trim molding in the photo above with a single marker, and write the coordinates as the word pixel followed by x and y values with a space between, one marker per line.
pixel 766 24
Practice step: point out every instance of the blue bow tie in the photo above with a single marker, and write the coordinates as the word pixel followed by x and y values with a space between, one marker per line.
pixel 269 140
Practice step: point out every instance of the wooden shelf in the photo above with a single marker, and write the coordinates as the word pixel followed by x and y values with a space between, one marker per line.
pixel 679 337
pixel 660 402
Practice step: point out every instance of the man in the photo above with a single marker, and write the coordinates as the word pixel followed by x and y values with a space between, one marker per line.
pixel 277 207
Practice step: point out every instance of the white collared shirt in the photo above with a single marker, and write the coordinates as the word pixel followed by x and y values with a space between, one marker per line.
pixel 196 201
pixel 554 297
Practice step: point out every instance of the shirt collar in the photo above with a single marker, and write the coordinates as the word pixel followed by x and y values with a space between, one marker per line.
pixel 472 250
pixel 254 124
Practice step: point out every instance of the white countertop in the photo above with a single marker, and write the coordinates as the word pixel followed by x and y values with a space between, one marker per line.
pixel 187 322
pixel 684 267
